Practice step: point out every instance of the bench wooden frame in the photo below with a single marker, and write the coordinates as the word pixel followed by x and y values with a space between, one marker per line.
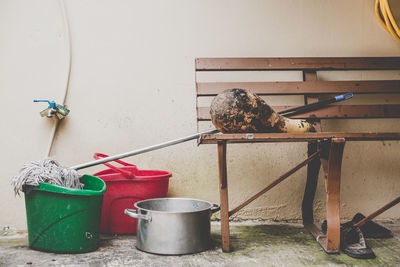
pixel 324 148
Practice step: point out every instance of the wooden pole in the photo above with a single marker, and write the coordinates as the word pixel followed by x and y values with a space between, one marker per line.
pixel 376 213
pixel 274 183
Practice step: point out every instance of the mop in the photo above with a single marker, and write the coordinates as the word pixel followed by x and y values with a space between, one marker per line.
pixel 45 171
pixel 51 171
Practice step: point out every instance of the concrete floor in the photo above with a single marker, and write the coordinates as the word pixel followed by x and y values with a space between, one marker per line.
pixel 254 244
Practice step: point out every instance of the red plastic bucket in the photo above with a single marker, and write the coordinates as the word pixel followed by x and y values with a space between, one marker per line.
pixel 126 186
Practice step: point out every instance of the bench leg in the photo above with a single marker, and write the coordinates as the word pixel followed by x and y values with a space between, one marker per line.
pixel 223 192
pixel 309 194
pixel 311 185
pixel 332 168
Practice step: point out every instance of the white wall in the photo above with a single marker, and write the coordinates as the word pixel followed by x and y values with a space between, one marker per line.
pixel 133 85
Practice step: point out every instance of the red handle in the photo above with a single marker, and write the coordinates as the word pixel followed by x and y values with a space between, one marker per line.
pixel 125 173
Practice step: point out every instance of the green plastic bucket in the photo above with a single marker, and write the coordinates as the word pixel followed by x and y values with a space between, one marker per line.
pixel 65 220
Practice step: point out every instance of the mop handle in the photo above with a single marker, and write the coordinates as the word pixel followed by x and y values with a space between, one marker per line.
pixel 316 105
pixel 376 213
pixel 142 150
pixel 194 136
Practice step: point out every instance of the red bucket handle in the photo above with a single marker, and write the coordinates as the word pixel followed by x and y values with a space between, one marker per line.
pixel 125 173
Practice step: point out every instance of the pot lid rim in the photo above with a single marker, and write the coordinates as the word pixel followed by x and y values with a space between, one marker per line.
pixel 173 212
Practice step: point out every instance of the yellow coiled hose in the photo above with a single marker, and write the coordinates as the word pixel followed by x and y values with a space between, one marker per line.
pixel 386 19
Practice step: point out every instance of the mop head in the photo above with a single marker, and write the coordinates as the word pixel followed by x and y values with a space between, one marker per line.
pixel 46 171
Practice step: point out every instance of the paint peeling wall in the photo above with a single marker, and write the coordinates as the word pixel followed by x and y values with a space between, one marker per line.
pixel 133 85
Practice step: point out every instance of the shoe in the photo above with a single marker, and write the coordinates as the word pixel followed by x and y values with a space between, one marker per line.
pixel 352 241
pixel 371 229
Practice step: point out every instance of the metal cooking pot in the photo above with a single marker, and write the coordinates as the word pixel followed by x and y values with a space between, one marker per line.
pixel 173 226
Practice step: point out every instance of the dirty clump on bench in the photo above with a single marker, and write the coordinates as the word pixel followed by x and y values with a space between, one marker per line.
pixel 241 111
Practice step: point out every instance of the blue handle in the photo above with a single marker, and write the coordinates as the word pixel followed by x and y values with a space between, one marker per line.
pixel 52 104
pixel 344 96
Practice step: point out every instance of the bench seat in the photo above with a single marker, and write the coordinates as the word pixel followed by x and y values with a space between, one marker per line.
pixel 296 137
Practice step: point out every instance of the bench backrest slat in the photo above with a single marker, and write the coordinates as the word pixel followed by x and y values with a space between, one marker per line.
pixel 331 112
pixel 299 63
pixel 301 88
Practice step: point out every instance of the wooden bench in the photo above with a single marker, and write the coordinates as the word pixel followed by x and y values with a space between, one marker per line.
pixel 323 147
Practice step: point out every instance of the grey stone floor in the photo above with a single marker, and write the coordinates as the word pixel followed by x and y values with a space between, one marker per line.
pixel 254 244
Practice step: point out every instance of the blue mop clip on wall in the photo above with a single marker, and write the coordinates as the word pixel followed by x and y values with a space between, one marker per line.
pixel 53 109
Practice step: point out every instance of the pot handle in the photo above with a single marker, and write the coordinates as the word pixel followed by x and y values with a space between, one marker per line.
pixel 215 208
pixel 134 214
